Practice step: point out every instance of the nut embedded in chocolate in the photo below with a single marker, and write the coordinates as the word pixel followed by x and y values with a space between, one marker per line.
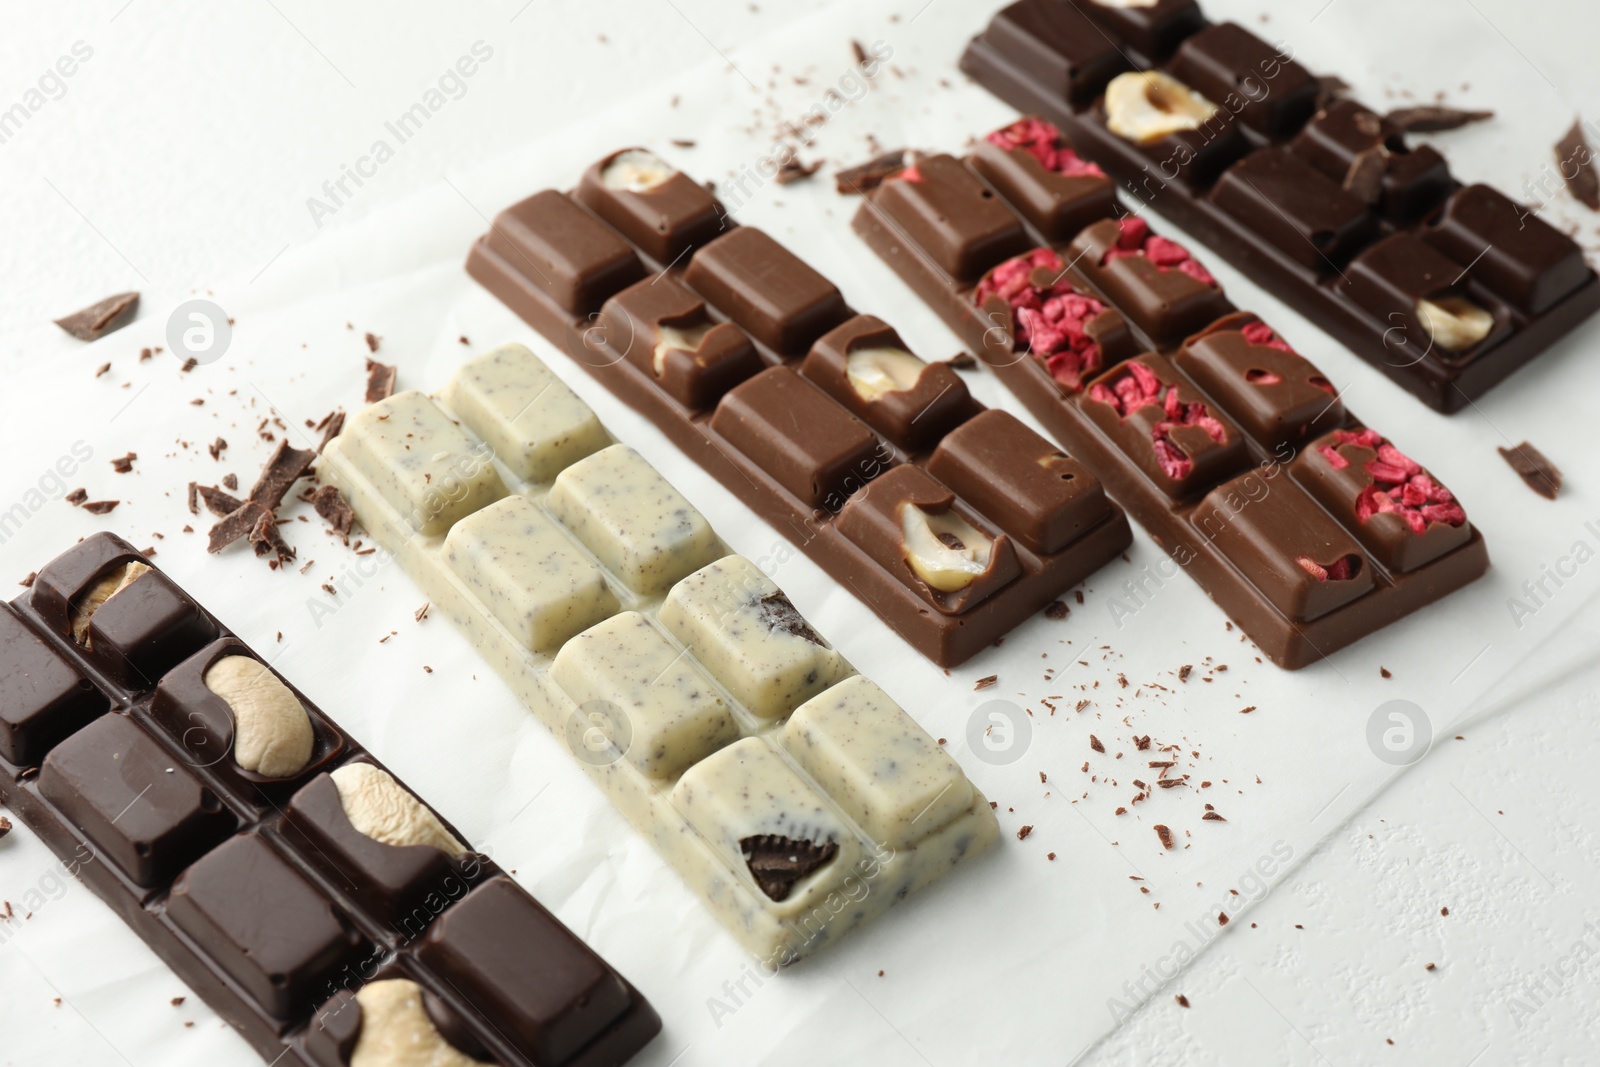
pixel 1145 106
pixel 97 320
pixel 779 862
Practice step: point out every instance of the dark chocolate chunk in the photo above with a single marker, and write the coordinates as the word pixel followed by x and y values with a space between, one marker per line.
pixel 1433 118
pixel 334 509
pixel 862 178
pixel 1304 214
pixel 774 296
pixel 256 516
pixel 380 380
pixel 1576 161
pixel 791 170
pixel 124 464
pixel 97 320
pixel 43 698
pixel 561 249
pixel 778 863
pixel 77 497
pixel 1153 29
pixel 1542 476
pixel 1230 66
pixel 1524 259
pixel 101 507
pixel 1055 45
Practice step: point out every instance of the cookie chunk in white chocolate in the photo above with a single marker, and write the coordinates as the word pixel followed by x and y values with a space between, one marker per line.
pixel 381 808
pixel 637 525
pixel 526 571
pixel 533 423
pixel 421 462
pixel 882 768
pixel 766 821
pixel 396 1030
pixel 675 715
pixel 747 633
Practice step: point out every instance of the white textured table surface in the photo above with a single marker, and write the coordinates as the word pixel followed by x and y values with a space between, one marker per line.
pixel 184 149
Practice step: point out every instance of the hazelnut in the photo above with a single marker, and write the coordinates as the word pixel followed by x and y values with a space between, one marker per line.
pixel 397 1032
pixel 272 734
pixel 876 371
pixel 688 339
pixel 1145 106
pixel 635 171
pixel 945 550
pixel 1454 322
pixel 106 588
pixel 380 807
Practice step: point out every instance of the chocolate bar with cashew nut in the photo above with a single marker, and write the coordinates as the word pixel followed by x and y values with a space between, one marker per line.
pixel 299 888
pixel 1446 288
pixel 1236 453
pixel 813 414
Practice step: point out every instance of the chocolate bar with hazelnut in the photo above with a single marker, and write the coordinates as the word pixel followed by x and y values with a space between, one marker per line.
pixel 274 864
pixel 1226 135
pixel 1236 453
pixel 756 367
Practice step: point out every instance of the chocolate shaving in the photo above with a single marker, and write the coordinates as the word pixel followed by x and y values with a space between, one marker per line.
pixel 792 170
pixel 777 613
pixel 97 320
pixel 1433 118
pixel 1212 816
pixel 859 52
pixel 1165 834
pixel 1095 743
pixel 1364 179
pixel 986 681
pixel 217 501
pixel 865 177
pixel 77 497
pixel 332 426
pixel 124 464
pixel 676 142
pixel 1057 610
pixel 101 507
pixel 335 509
pixel 27 583
pixel 216 448
pixel 1542 476
pixel 256 516
pixel 779 862
pixel 1576 163
pixel 1024 831
pixel 1183 1001
pixel 372 342
pixel 230 482
pixel 380 381
pixel 5 826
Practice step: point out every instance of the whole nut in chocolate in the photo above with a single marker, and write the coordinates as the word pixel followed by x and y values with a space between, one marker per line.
pixel 945 550
pixel 381 808
pixel 637 171
pixel 103 590
pixel 874 372
pixel 1146 106
pixel 1454 322
pixel 396 1030
pixel 272 733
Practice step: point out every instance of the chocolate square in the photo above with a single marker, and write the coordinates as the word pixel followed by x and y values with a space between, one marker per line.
pixel 664 221
pixel 1154 29
pixel 1164 303
pixel 43 698
pixel 272 931
pixel 1229 65
pixel 1055 45
pixel 1297 557
pixel 1389 279
pixel 565 251
pixel 810 445
pixel 1415 179
pixel 1277 396
pixel 147 628
pixel 631 321
pixel 1305 214
pixel 914 418
pixel 1522 258
pixel 1022 483
pixel 532 980
pixel 138 807
pixel 942 207
pixel 1057 205
pixel 767 290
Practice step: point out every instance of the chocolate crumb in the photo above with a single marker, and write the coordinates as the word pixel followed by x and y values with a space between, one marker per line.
pixel 97 320
pixel 1167 841
pixel 1212 816
pixel 77 497
pixel 101 507
pixel 1576 163
pixel 682 142
pixel 859 52
pixel 463 339
pixel 1222 918
pixel 216 448
pixel 1430 967
pixel 862 178
pixel 5 826
pixel 372 340
pixel 334 509
pixel 177 1002
pixel 1049 855
pixel 1247 710
pixel 380 380
pixel 1433 118
pixel 986 682
pixel 792 170
pixel 1444 911
pixel 1183 672
pixel 1023 832
pixel 1094 743
pixel 1540 475
pixel 962 361
pixel 1057 610
pixel 102 370
pixel 27 583
pixel 230 481
pixel 1183 1001
pixel 1384 672
pixel 422 612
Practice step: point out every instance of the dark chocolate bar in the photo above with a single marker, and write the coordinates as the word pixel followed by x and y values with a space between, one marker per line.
pixel 754 365
pixel 306 895
pixel 1236 453
pixel 1446 288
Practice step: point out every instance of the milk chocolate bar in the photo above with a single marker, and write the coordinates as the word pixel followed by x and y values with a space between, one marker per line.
pixel 1446 288
pixel 1309 529
pixel 754 365
pixel 790 793
pixel 274 864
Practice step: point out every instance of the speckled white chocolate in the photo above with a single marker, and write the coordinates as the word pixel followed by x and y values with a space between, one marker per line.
pixel 530 575
pixel 749 790
pixel 381 808
pixel 533 422
pixel 882 768
pixel 726 614
pixel 414 454
pixel 675 714
pixel 638 526
pixel 634 656
pixel 396 1030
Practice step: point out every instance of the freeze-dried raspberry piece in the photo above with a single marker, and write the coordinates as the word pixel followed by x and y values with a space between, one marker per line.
pixel 1340 570
pixel 1051 322
pixel 1139 387
pixel 1399 484
pixel 1134 238
pixel 1044 142
pixel 1259 333
pixel 1360 438
pixel 910 174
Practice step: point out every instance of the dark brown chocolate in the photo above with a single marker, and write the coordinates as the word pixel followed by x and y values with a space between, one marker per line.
pixel 97 320
pixel 1531 465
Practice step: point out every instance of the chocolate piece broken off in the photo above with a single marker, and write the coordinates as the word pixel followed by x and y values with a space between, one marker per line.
pixel 380 381
pixel 1577 167
pixel 256 516
pixel 1542 476
pixel 865 177
pixel 1433 118
pixel 97 320
pixel 779 862
pixel 333 507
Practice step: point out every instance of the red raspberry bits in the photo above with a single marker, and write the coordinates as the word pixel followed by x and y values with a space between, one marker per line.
pixel 1139 387
pixel 1259 333
pixel 1399 484
pixel 1050 322
pixel 1340 570
pixel 1135 239
pixel 1044 142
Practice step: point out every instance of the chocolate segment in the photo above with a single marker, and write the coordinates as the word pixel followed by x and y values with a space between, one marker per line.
pixel 1036 169
pixel 1413 180
pixel 1278 397
pixel 1272 94
pixel 1161 289
pixel 565 250
pixel 1301 211
pixel 1154 28
pixel 1058 47
pixel 942 207
pixel 43 697
pixel 1512 251
pixel 760 285
pixel 668 333
pixel 1395 276
pixel 664 218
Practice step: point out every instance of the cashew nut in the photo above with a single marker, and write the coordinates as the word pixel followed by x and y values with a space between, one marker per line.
pixel 876 371
pixel 103 590
pixel 379 807
pixel 670 337
pixel 1145 106
pixel 396 1030
pixel 1454 322
pixel 636 171
pixel 945 550
pixel 272 733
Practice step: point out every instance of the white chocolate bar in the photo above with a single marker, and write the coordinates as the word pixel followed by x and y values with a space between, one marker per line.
pixel 791 794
